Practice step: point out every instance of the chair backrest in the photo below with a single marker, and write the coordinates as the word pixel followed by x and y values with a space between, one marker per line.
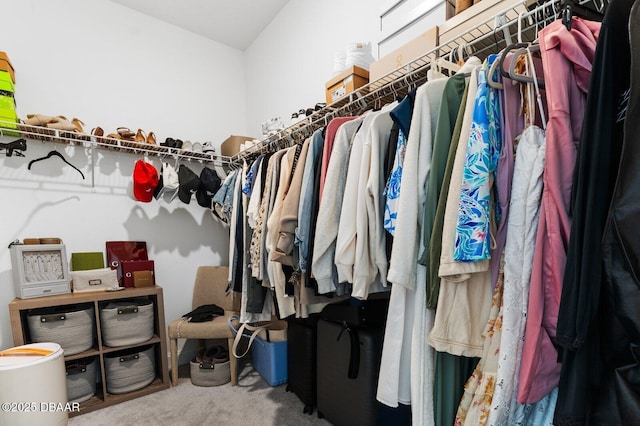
pixel 211 287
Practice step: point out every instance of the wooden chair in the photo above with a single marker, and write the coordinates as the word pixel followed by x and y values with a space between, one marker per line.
pixel 210 288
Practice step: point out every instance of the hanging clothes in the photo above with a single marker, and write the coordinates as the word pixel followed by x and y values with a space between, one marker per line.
pixel 277 278
pixel 406 368
pixel 475 404
pixel 324 268
pixel 608 338
pixel 513 125
pixel 483 151
pixel 370 266
pixel 345 257
pixel 327 148
pixel 459 324
pixel 569 54
pixel 618 400
pixel 307 194
pixel 456 288
pixel 456 86
pixel 289 218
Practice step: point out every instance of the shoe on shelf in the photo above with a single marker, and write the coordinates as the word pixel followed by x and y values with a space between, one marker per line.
pixel 38 120
pixel 208 148
pixel 140 137
pixel 125 133
pixel 151 138
pixel 169 143
pixel 197 147
pixel 187 146
pixel 61 123
pixel 78 124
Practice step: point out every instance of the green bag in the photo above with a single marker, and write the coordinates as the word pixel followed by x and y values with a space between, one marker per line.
pixel 87 260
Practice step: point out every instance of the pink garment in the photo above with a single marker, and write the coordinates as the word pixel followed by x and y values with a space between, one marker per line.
pixel 329 136
pixel 567 57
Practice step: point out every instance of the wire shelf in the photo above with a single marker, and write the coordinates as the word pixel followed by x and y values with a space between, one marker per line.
pixel 44 134
pixel 521 20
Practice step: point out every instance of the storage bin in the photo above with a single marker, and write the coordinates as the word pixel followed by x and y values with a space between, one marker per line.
pixel 127 322
pixel 81 379
pixel 205 374
pixel 70 326
pixel 270 360
pixel 130 369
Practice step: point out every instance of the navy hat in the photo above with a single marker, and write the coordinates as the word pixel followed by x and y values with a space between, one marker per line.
pixel 209 185
pixel 189 183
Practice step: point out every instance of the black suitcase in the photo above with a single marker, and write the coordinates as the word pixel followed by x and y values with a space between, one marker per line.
pixel 358 313
pixel 348 367
pixel 301 355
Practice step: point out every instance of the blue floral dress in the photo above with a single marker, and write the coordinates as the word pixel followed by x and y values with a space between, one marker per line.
pixel 473 238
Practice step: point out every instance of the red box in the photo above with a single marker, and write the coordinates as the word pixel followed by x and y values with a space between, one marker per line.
pixel 131 266
pixel 120 251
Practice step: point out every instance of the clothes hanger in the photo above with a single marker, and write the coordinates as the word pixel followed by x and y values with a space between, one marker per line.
pixel 569 9
pixel 18 146
pixel 496 84
pixel 513 75
pixel 447 64
pixel 55 154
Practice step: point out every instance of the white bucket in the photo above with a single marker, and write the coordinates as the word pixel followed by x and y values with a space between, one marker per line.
pixel 33 388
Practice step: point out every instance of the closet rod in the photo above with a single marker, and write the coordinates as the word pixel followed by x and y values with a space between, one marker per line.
pixel 484 37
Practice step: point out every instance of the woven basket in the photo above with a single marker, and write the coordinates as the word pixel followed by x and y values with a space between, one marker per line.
pixel 129 370
pixel 204 374
pixel 127 322
pixel 70 326
pixel 81 379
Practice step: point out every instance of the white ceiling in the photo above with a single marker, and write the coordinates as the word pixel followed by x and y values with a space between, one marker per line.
pixel 235 23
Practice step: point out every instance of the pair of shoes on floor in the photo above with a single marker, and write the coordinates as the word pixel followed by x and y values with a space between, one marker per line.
pixel 214 355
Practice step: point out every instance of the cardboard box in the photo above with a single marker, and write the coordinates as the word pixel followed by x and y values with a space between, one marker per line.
pixel 345 83
pixel 231 145
pixel 405 54
pixel 5 65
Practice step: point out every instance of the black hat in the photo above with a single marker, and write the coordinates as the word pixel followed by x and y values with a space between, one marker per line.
pixel 209 185
pixel 189 183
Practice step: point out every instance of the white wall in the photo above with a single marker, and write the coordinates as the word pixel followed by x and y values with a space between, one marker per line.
pixel 111 66
pixel 292 59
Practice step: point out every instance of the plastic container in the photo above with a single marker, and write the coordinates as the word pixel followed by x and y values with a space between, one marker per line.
pixel 33 390
pixel 270 360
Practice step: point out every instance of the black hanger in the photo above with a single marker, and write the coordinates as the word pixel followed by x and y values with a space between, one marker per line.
pixel 17 146
pixel 569 9
pixel 55 154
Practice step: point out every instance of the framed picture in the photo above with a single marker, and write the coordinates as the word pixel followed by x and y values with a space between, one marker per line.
pixel 39 270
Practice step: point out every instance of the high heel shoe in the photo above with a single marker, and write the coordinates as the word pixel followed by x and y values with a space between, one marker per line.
pixel 140 137
pixel 151 138
pixel 78 125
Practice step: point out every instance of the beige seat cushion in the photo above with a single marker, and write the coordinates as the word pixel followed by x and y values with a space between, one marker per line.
pixel 201 330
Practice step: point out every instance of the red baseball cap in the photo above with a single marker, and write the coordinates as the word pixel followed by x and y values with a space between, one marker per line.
pixel 145 180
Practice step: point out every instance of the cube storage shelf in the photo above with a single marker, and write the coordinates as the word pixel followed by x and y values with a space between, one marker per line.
pixel 19 308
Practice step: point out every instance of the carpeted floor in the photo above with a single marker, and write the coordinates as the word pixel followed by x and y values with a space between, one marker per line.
pixel 251 402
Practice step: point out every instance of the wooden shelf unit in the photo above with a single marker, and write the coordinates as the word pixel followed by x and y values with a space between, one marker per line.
pixel 19 308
